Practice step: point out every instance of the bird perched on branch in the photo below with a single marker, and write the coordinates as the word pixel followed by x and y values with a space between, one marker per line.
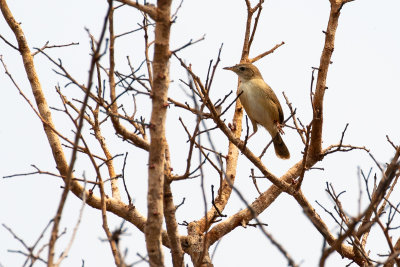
pixel 261 105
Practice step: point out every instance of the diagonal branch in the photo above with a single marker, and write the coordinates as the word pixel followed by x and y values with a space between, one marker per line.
pixel 272 50
pixel 117 207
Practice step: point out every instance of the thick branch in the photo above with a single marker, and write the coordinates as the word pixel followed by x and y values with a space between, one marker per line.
pixel 316 134
pixel 157 133
pixel 172 226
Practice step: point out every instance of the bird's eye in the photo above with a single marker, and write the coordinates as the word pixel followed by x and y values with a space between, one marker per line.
pixel 242 68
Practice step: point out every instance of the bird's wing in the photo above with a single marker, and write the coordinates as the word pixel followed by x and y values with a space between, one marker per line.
pixel 271 95
pixel 280 111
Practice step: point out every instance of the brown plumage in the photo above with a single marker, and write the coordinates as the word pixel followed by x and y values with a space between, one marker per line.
pixel 261 104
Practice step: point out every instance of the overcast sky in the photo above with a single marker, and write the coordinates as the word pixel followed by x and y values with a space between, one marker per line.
pixel 363 90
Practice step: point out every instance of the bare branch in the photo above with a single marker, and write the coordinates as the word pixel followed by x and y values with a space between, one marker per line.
pixel 158 143
pixel 7 42
pixel 316 133
pixel 148 9
pixel 170 217
pixel 75 230
pixel 272 50
pixel 38 50
pixel 191 42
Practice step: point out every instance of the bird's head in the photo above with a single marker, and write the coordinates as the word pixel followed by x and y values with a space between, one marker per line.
pixel 245 71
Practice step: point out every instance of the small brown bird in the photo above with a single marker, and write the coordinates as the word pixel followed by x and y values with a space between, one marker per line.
pixel 261 104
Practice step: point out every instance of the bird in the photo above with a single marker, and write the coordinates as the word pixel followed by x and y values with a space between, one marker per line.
pixel 261 105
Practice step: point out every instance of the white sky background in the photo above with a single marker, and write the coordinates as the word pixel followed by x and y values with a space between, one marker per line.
pixel 363 91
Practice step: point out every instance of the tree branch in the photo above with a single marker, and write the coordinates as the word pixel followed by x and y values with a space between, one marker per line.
pixel 148 9
pixel 325 61
pixel 158 142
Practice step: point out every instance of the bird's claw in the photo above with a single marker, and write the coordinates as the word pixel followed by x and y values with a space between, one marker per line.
pixel 279 127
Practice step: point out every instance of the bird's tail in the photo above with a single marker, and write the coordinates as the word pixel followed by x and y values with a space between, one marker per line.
pixel 280 148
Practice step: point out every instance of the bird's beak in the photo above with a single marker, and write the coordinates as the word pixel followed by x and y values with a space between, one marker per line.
pixel 228 68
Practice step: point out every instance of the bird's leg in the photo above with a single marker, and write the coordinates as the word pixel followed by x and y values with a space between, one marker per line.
pixel 279 127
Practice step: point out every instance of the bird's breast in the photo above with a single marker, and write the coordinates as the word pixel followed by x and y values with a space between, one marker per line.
pixel 257 104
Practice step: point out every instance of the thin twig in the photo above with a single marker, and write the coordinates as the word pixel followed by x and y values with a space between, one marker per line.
pixel 38 50
pixel 254 180
pixel 75 230
pixel 191 42
pixel 272 50
pixel 123 180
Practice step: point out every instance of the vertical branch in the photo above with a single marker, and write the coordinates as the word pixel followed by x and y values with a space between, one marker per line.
pixel 109 162
pixel 172 226
pixel 156 163
pixel 233 152
pixel 316 133
pixel 250 31
pixel 170 218
pixel 225 189
pixel 111 241
pixel 103 207
pixel 114 185
pixel 146 48
pixel 75 230
pixel 258 8
pixel 119 128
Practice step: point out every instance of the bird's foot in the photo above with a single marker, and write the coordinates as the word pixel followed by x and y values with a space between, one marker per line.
pixel 279 127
